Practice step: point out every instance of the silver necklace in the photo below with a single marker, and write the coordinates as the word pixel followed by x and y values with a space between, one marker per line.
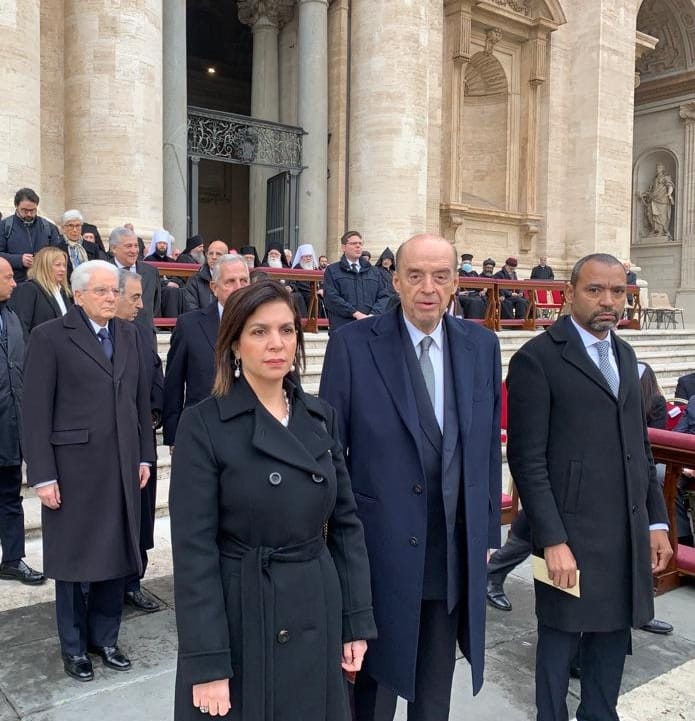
pixel 286 420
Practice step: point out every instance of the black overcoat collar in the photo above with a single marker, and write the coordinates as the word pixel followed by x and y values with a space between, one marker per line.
pixel 210 322
pixel 301 444
pixel 574 352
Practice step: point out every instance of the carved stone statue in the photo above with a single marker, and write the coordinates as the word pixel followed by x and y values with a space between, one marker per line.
pixel 658 203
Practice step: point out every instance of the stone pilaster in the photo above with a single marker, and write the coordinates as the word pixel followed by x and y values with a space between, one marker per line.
pixel 313 118
pixel 265 18
pixel 175 150
pixel 52 110
pixel 388 120
pixel 686 293
pixel 598 154
pixel 20 88
pixel 113 115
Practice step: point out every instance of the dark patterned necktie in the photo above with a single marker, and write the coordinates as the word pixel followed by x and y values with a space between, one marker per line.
pixel 605 366
pixel 106 344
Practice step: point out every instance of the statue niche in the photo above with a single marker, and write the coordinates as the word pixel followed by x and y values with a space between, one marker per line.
pixel 659 202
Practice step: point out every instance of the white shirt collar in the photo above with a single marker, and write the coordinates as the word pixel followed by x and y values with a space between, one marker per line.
pixel 588 339
pixel 220 308
pixel 96 327
pixel 416 335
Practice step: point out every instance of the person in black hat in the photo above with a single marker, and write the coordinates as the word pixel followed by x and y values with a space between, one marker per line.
pixel 194 252
pixel 249 254
pixel 488 268
pixel 514 304
pixel 471 300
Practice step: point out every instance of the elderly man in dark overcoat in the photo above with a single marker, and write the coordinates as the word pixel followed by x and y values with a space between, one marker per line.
pixel 579 454
pixel 417 393
pixel 88 446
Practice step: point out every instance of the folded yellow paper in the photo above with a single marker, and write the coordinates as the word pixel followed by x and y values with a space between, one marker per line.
pixel 540 573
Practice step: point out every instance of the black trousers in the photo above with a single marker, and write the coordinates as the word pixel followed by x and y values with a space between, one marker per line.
pixel 603 659
pixel 88 619
pixel 434 672
pixel 514 307
pixel 11 513
pixel 515 551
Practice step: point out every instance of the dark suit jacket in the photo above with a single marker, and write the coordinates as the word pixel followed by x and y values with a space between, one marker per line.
pixel 190 369
pixel 34 306
pixel 87 425
pixel 151 293
pixel 685 388
pixel 365 377
pixel 583 465
pixel 11 362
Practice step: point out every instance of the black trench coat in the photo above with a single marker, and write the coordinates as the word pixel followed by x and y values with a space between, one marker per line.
pixel 583 465
pixel 261 598
pixel 87 424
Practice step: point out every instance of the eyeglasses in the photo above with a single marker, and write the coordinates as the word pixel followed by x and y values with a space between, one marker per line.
pixel 101 291
pixel 74 226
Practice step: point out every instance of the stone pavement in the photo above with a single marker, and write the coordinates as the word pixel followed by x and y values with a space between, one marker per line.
pixel 658 682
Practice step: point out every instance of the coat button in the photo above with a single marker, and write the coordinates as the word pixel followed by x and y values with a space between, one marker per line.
pixel 275 478
pixel 628 457
pixel 634 509
pixel 417 489
pixel 283 636
pixel 316 478
pixel 413 541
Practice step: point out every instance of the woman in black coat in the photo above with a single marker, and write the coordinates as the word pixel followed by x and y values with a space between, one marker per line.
pixel 270 567
pixel 46 295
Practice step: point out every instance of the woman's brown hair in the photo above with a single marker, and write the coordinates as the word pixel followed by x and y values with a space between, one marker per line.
pixel 240 306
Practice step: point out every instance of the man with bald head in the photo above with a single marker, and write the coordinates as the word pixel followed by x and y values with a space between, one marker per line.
pixel 197 293
pixel 429 500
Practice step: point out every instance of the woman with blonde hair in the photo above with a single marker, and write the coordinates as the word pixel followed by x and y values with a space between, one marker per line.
pixel 46 295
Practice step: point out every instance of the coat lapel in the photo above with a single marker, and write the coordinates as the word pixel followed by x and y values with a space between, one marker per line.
pixel 462 354
pixel 83 337
pixel 210 323
pixel 120 355
pixel 391 366
pixel 53 302
pixel 575 353
pixel 625 368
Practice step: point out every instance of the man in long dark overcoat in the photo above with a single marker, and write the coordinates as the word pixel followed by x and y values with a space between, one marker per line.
pixel 417 394
pixel 579 454
pixel 88 446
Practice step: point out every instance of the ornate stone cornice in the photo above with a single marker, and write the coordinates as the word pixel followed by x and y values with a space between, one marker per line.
pixel 278 12
pixel 518 6
pixel 687 111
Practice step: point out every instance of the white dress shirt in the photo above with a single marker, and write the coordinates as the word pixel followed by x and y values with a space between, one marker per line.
pixel 59 300
pixel 437 357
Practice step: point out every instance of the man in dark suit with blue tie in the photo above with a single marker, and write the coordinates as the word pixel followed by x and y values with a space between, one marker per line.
pixel 579 453
pixel 190 369
pixel 417 394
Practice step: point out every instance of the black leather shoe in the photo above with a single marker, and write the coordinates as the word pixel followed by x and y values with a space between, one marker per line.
pixel 656 626
pixel 111 657
pixel 140 601
pixel 78 667
pixel 497 598
pixel 22 573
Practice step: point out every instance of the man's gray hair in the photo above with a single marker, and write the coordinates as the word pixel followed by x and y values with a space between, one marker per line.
pixel 118 233
pixel 227 259
pixel 124 275
pixel 83 273
pixel 69 215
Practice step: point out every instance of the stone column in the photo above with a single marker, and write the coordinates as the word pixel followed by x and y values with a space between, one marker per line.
pixel 20 88
pixel 597 201
pixel 175 120
pixel 685 297
pixel 388 120
pixel 313 118
pixel 113 112
pixel 265 18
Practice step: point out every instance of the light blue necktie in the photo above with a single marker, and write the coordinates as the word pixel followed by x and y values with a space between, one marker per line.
pixel 427 367
pixel 604 364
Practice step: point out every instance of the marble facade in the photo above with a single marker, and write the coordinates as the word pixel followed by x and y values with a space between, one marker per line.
pixel 512 127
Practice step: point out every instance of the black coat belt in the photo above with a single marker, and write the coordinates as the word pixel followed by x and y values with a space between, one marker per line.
pixel 257 615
